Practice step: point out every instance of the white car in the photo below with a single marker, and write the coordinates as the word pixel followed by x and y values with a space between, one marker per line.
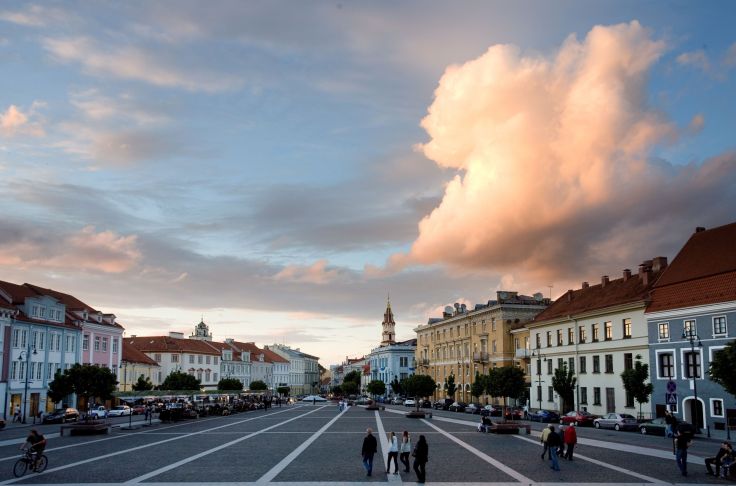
pixel 120 411
pixel 313 398
pixel 98 412
pixel 409 402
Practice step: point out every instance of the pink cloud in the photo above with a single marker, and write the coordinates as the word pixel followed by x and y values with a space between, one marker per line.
pixel 15 122
pixel 316 273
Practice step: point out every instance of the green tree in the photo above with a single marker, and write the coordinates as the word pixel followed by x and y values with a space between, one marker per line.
pixel 230 384
pixel 353 376
pixel 143 384
pixel 350 388
pixel 283 390
pixel 507 382
pixel 419 386
pixel 92 382
pixel 258 385
pixel 450 387
pixel 61 387
pixel 478 386
pixel 376 387
pixel 634 380
pixel 337 390
pixel 563 382
pixel 722 368
pixel 178 380
pixel 396 386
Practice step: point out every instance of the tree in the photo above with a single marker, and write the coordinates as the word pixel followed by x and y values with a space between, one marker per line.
pixel 353 376
pixel 478 386
pixel 450 387
pixel 230 384
pixel 722 366
pixel 419 386
pixel 258 385
pixel 376 387
pixel 143 384
pixel 178 380
pixel 337 390
pixel 507 382
pixel 396 386
pixel 61 387
pixel 283 390
pixel 563 382
pixel 350 388
pixel 634 380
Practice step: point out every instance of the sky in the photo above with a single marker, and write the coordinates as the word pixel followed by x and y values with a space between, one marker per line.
pixel 280 168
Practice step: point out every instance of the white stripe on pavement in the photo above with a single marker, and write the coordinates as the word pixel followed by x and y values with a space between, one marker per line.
pixel 392 478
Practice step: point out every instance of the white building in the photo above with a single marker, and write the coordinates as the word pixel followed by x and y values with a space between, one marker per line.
pixel 391 360
pixel 303 369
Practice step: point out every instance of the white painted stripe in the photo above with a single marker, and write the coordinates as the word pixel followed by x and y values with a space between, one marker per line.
pixel 605 464
pixel 350 483
pixel 495 463
pixel 118 453
pixel 644 451
pixel 382 440
pixel 284 463
pixel 213 450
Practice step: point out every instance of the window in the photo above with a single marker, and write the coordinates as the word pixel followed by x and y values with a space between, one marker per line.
pixel 58 315
pixel 493 323
pixel 666 363
pixel 690 328
pixel 549 366
pixel 549 338
pixel 571 364
pixel 23 338
pixel 608 330
pixel 539 366
pixel 719 326
pixel 14 370
pixel 560 363
pixel 493 345
pixel 199 375
pixel 49 371
pixel 596 364
pixel 200 359
pixel 16 338
pixel 664 331
pixel 207 359
pixel 114 345
pixel 157 357
pixel 70 340
pixel 559 337
pixel 628 361
pixel 570 335
pixel 583 395
pixel 539 340
pixel 609 363
pixel 627 328
pixel 550 394
pixel 174 358
pixel 215 362
pixel 596 332
pixel 34 311
pixel 692 364
pixel 582 335
pixel 596 396
pixel 716 407
pixel 629 400
pixel 191 359
pixel 85 342
pixel 104 343
pixel 97 343
pixel 207 375
pixel 214 377
pixel 583 365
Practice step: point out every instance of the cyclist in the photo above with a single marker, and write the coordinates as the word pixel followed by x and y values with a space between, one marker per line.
pixel 36 443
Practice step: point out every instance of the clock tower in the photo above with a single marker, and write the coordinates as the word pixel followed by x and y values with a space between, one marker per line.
pixel 389 333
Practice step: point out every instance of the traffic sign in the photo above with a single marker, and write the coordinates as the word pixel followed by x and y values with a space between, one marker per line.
pixel 670 398
pixel 671 387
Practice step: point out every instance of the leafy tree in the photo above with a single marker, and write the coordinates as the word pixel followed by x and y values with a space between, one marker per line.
pixel 419 386
pixel 376 387
pixel 353 376
pixel 143 384
pixel 258 385
pixel 722 368
pixel 563 382
pixel 61 387
pixel 396 386
pixel 178 380
pixel 507 382
pixel 230 384
pixel 283 390
pixel 337 390
pixel 634 380
pixel 450 387
pixel 478 386
pixel 350 388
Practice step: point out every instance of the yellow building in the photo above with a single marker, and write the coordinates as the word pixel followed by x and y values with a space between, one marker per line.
pixel 464 341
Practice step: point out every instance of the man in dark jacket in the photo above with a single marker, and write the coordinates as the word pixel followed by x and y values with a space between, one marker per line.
pixel 554 441
pixel 370 446
pixel 723 452
pixel 682 442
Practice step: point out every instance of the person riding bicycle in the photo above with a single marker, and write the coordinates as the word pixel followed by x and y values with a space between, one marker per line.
pixel 36 443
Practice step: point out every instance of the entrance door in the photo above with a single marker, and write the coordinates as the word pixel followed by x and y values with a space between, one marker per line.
pixel 34 404
pixel 610 400
pixel 694 412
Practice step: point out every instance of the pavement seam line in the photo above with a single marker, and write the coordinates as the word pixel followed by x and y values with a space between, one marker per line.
pixel 284 463
pixel 494 462
pixel 391 478
pixel 117 453
pixel 622 470
pixel 213 450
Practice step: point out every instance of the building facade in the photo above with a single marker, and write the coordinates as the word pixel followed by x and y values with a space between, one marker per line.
pixel 303 369
pixel 135 364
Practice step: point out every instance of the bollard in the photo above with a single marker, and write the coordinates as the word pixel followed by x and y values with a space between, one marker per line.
pixel 707 429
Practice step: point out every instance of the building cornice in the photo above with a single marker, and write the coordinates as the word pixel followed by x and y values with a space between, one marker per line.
pixel 640 304
pixel 688 311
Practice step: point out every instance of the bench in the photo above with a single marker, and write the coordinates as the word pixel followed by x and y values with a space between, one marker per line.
pixel 508 428
pixel 99 428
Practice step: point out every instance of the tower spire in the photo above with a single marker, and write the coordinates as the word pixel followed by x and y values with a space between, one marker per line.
pixel 389 333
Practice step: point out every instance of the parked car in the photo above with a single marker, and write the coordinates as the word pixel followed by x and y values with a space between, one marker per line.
pixel 580 418
pixel 513 414
pixel 61 415
pixel 458 407
pixel 616 421
pixel 656 426
pixel 443 404
pixel 315 398
pixel 473 408
pixel 139 409
pixel 544 416
pixel 490 411
pixel 120 411
pixel 410 402
pixel 397 401
pixel 425 403
pixel 98 412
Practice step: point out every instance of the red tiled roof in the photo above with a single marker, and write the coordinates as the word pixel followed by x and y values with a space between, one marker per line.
pixel 269 355
pixel 71 302
pixel 166 344
pixel 131 354
pixel 703 291
pixel 18 293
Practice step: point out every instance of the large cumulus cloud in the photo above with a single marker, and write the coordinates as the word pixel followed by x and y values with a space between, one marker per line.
pixel 555 161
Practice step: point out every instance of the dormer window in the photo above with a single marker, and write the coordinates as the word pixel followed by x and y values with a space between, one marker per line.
pixel 260 357
pixel 85 315
pixel 99 318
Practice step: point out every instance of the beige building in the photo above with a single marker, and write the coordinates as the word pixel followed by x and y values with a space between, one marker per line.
pixel 134 364
pixel 464 341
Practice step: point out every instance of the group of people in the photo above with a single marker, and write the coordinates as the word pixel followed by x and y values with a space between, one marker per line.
pixel 397 450
pixel 558 444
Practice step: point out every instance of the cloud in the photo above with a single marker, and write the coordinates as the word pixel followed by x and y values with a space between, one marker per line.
pixel 697 59
pixel 33 16
pixel 316 273
pixel 553 161
pixel 14 122
pixel 729 60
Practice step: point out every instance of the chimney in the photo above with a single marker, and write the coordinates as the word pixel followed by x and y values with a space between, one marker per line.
pixel 699 229
pixel 585 285
pixel 604 281
pixel 659 263
pixel 177 335
pixel 627 274
pixel 645 267
pixel 133 335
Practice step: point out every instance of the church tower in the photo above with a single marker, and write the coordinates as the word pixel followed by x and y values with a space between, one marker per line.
pixel 201 332
pixel 389 332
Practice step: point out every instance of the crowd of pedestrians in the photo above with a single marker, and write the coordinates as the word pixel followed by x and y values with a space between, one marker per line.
pixel 397 450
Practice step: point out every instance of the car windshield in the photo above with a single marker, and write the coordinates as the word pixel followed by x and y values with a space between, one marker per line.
pixel 627 416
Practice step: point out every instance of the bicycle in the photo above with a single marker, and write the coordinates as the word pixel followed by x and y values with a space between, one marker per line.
pixel 26 461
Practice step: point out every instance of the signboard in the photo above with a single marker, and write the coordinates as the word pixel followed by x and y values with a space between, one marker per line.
pixel 671 387
pixel 670 398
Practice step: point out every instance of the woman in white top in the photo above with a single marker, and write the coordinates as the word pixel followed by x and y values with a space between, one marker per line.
pixel 405 450
pixel 393 452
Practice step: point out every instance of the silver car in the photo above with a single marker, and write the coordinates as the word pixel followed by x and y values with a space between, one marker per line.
pixel 616 421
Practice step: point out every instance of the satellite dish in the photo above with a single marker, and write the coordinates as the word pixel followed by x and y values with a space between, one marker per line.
pixel 502 295
pixel 449 309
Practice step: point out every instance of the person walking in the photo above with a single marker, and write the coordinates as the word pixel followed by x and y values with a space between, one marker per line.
pixel 405 450
pixel 723 453
pixel 570 437
pixel 543 438
pixel 669 420
pixel 421 457
pixel 370 446
pixel 554 441
pixel 682 442
pixel 393 453
pixel 16 414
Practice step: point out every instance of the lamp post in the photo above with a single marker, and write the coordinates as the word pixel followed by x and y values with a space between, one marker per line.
pixel 536 353
pixel 692 337
pixel 28 365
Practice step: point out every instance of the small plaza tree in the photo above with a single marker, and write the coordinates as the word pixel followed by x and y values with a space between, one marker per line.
pixel 450 387
pixel 178 380
pixel 143 384
pixel 283 391
pixel 396 387
pixel 506 382
pixel 258 385
pixel 230 384
pixel 60 388
pixel 479 385
pixel 563 382
pixel 722 368
pixel 376 387
pixel 635 382
pixel 87 381
pixel 419 386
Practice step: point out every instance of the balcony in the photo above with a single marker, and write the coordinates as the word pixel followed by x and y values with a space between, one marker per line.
pixel 523 353
pixel 480 357
pixel 423 362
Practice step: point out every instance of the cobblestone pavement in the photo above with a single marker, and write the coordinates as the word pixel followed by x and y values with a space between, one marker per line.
pixel 317 444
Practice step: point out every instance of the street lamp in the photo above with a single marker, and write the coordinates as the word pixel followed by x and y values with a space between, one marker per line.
pixel 536 353
pixel 28 365
pixel 691 336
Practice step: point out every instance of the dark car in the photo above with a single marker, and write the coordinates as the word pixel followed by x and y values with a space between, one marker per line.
pixel 425 404
pixel 544 416
pixel 458 407
pixel 653 427
pixel 443 404
pixel 473 408
pixel 513 414
pixel 490 411
pixel 580 418
pixel 62 415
